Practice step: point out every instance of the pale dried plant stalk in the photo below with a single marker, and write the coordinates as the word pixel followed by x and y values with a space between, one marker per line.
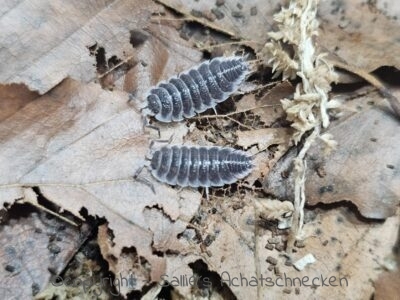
pixel 297 28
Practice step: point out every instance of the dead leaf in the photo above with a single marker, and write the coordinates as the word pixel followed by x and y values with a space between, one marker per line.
pixel 42 55
pixel 14 97
pixel 361 170
pixel 264 137
pixel 269 107
pixel 349 25
pixel 25 273
pixel 83 155
pixel 239 20
pixel 387 286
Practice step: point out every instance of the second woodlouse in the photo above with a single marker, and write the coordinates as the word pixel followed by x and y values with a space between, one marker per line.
pixel 200 166
pixel 196 90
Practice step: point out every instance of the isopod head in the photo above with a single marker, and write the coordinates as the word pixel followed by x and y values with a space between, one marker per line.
pixel 196 89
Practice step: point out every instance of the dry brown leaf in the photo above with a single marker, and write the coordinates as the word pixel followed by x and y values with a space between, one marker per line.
pixel 387 286
pixel 345 26
pixel 163 55
pixel 83 154
pixel 361 170
pixel 344 248
pixel 13 97
pixel 125 264
pixel 240 20
pixel 350 25
pixel 336 239
pixel 264 137
pixel 31 247
pixel 269 115
pixel 47 41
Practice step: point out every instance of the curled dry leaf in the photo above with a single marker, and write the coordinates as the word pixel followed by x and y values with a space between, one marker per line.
pixel 272 209
pixel 264 138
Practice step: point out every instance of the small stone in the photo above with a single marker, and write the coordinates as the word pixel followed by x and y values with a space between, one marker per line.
pixel 220 2
pixel 35 288
pixel 196 13
pixel 270 267
pixel 53 248
pixel 272 260
pixel 219 14
pixel 208 240
pixel 253 11
pixel 280 247
pixel 288 263
pixel 10 268
pixel 277 271
pixel 274 240
pixel 209 16
pixel 237 14
pixel 299 244
pixel 269 247
pixel 239 5
pixel 287 290
pixel 297 291
pixel 321 171
pixel 325 243
pixel 304 261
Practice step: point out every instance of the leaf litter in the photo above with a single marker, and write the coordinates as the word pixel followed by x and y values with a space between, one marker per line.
pixel 89 133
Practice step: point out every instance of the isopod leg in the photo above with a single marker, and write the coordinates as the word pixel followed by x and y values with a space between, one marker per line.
pixel 143 180
pixel 161 141
pixel 146 123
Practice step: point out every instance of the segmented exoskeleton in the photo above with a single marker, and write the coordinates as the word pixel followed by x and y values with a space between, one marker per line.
pixel 200 166
pixel 197 89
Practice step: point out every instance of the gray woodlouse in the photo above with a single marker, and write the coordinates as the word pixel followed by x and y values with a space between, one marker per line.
pixel 200 166
pixel 196 90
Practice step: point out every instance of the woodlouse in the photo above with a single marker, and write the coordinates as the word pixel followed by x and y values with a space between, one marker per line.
pixel 197 89
pixel 200 166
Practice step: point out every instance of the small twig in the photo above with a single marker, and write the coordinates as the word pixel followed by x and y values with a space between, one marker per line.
pixel 300 168
pixel 230 43
pixel 235 112
pixel 115 67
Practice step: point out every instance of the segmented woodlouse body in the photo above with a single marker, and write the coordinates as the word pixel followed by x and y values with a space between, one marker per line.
pixel 200 166
pixel 197 89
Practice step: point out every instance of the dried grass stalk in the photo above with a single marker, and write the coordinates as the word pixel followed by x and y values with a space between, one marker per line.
pixel 291 52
